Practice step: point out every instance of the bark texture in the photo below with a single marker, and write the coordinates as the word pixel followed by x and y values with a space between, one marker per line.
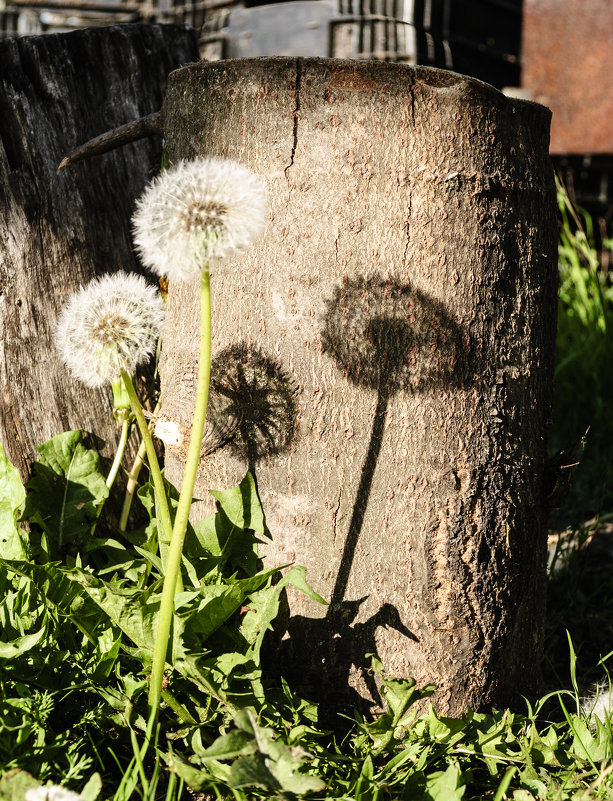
pixel 385 352
pixel 59 232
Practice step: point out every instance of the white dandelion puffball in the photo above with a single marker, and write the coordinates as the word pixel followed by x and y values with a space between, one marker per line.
pixel 111 324
pixel 51 793
pixel 196 213
pixel 600 703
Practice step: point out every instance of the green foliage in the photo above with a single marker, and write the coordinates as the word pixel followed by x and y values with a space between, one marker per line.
pixel 584 353
pixel 498 755
pixel 12 497
pixel 15 784
pixel 580 602
pixel 65 493
pixel 78 617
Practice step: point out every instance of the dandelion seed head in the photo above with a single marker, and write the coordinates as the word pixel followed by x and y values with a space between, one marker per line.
pixel 51 793
pixel 600 703
pixel 111 324
pixel 197 213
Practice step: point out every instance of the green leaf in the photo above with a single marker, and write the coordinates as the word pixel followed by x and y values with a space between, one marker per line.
pixel 542 749
pixel 55 585
pixel 12 497
pixel 530 781
pixel 447 786
pixel 254 583
pixel 215 674
pixel 207 535
pixel 99 610
pixel 286 770
pixel 587 746
pixel 19 646
pixel 15 784
pixel 297 578
pixel 399 694
pixel 495 738
pixel 146 495
pixel 408 754
pixel 242 507
pixel 134 611
pixel 197 779
pixel 446 730
pixel 522 795
pixel 275 766
pixel 23 622
pixel 66 490
pixel 264 607
pixel 107 646
pixel 251 771
pixel 228 537
pixel 236 743
pixel 223 542
pixel 368 770
pixel 214 605
pixel 92 789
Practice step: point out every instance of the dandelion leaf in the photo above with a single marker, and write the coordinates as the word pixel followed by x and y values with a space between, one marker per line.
pixel 206 612
pixel 196 778
pixel 15 784
pixel 133 611
pixel 54 583
pixel 588 746
pixel 235 743
pixel 66 490
pixel 20 645
pixel 242 506
pixel 297 578
pixel 274 765
pixel 12 497
pixel 227 537
pixel 445 786
pixel 92 789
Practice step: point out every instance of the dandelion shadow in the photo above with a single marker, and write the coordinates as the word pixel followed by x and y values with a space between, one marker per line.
pixel 388 337
pixel 254 399
pixel 335 651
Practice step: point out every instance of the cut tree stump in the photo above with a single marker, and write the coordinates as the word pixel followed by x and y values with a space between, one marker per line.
pixel 59 232
pixel 386 351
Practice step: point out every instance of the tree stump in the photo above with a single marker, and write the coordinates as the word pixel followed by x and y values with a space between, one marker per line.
pixel 386 353
pixel 57 233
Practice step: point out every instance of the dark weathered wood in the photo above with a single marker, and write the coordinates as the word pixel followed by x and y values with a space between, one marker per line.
pixel 396 324
pixel 56 233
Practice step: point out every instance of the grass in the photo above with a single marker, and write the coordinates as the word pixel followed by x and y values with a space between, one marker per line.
pixel 583 396
pixel 73 689
pixel 78 736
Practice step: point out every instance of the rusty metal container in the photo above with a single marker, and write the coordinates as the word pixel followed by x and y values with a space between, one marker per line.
pixel 567 65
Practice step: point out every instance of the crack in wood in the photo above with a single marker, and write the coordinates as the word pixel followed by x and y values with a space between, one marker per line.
pixel 295 115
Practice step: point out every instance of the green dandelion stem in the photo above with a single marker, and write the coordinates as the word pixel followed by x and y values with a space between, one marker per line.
pixel 133 477
pixel 173 564
pixel 161 502
pixel 121 448
pixel 131 486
